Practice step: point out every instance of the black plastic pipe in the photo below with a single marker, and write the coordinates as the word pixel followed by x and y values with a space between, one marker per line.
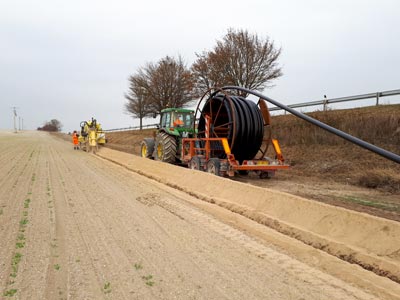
pixel 382 152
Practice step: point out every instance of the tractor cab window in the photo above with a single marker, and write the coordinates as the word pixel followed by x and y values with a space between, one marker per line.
pixel 178 121
pixel 183 120
pixel 188 120
pixel 166 120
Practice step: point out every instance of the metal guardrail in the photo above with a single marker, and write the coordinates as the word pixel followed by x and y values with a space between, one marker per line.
pixel 325 102
pixel 132 128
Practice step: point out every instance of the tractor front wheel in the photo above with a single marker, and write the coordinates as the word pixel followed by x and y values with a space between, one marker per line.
pixel 147 148
pixel 165 148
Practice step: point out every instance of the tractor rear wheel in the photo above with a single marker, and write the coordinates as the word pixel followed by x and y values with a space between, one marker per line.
pixel 165 148
pixel 147 148
pixel 214 166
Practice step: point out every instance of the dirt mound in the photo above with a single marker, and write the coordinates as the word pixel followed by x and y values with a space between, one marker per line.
pixel 370 242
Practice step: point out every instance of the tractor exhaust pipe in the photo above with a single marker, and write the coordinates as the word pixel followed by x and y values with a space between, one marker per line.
pixel 382 152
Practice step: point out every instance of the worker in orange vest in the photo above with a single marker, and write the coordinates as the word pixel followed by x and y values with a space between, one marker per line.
pixel 75 140
pixel 178 121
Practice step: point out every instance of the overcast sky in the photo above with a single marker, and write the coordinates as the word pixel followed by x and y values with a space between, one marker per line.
pixel 70 60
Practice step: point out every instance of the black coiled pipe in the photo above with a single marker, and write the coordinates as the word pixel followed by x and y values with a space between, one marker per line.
pixel 237 119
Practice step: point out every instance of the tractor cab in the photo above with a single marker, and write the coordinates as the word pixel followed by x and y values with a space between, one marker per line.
pixel 177 121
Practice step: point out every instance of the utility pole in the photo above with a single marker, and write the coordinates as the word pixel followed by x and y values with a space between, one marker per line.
pixel 15 118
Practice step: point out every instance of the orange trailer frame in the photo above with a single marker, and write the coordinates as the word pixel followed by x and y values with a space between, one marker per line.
pixel 192 147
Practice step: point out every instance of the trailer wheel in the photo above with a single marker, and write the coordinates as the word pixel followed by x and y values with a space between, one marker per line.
pixel 165 148
pixel 266 175
pixel 147 148
pixel 195 163
pixel 214 166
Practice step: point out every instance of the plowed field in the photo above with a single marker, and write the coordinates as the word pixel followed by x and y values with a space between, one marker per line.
pixel 74 225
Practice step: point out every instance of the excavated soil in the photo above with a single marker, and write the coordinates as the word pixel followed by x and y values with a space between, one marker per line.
pixel 341 174
pixel 74 225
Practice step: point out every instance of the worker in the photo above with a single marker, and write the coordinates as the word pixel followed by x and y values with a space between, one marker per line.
pixel 178 121
pixel 75 140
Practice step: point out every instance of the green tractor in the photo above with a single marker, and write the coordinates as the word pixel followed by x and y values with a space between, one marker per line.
pixel 166 145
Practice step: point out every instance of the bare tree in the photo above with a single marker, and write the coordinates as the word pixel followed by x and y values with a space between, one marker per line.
pixel 168 83
pixel 207 72
pixel 240 58
pixel 137 104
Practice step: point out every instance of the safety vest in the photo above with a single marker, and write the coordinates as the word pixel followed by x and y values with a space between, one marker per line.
pixel 75 139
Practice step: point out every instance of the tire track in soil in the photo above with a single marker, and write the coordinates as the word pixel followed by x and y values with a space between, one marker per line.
pixel 253 246
pixel 88 225
pixel 148 199
pixel 237 236
pixel 156 266
pixel 155 236
pixel 83 282
pixel 92 220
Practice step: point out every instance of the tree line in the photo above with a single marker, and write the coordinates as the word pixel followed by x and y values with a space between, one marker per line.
pixel 53 125
pixel 239 58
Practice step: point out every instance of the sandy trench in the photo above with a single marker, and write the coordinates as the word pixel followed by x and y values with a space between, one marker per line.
pixel 95 230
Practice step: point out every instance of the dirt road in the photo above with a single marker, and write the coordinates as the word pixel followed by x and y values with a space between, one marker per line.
pixel 76 226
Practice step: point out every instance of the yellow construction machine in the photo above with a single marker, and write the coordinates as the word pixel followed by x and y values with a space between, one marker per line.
pixel 92 135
